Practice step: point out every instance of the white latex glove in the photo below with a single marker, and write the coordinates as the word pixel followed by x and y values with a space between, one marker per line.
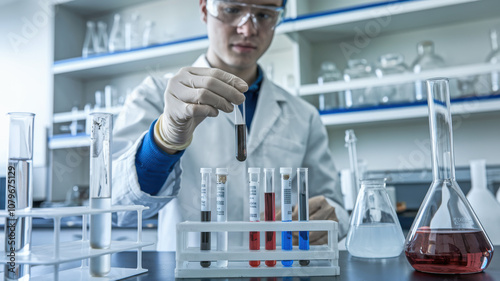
pixel 191 95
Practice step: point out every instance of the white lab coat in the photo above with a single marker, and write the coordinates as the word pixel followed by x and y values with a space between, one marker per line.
pixel 286 131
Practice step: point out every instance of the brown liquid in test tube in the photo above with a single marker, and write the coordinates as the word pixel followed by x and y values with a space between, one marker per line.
pixel 240 129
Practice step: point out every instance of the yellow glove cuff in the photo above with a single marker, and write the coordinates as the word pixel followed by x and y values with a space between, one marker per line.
pixel 159 136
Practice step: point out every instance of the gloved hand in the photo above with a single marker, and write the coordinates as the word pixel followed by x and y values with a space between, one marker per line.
pixel 319 209
pixel 191 95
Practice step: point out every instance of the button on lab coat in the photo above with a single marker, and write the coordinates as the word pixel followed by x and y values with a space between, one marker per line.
pixel 286 131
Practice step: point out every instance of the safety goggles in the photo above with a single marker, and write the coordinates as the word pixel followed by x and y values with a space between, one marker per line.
pixel 237 14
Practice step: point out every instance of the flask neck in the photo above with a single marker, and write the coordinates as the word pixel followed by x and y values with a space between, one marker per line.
pixel 443 165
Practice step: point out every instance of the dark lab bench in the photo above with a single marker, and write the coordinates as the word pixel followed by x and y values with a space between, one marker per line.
pixel 161 266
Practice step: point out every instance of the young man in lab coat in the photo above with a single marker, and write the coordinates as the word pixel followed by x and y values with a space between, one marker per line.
pixel 175 126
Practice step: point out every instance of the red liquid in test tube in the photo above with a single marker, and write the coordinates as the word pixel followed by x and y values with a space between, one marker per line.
pixel 269 212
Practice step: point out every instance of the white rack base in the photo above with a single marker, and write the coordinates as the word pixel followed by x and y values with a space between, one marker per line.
pixel 323 259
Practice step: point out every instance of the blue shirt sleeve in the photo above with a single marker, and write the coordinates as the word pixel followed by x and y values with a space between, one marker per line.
pixel 152 164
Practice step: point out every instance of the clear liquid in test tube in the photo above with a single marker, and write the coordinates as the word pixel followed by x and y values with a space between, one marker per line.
pixel 221 174
pixel 205 237
pixel 19 195
pixel 286 211
pixel 240 129
pixel 253 182
pixel 100 191
pixel 303 192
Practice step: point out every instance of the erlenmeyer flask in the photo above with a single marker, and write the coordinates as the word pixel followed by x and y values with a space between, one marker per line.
pixel 374 230
pixel 446 236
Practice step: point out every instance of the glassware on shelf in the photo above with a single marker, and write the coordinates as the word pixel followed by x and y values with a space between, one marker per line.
pixel 90 43
pixel 99 100
pixel 467 86
pixel 374 230
pixel 132 33
pixel 19 194
pixel 328 73
pixel 146 34
pixel 446 236
pixel 494 58
pixel 116 36
pixel 102 37
pixel 427 59
pixel 359 68
pixel 390 64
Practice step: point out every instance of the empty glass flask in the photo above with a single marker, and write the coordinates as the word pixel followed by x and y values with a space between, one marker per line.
pixel 494 58
pixel 374 230
pixel 358 69
pixel 329 73
pixel 427 59
pixel 391 64
pixel 446 235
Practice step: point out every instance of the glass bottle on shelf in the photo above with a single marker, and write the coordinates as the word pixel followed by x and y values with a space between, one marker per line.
pixel 427 59
pixel 116 37
pixel 390 64
pixel 102 37
pixel 146 34
pixel 328 73
pixel 359 68
pixel 132 33
pixel 494 58
pixel 446 236
pixel 374 230
pixel 90 41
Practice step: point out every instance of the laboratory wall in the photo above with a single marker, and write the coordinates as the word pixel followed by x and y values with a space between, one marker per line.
pixel 25 64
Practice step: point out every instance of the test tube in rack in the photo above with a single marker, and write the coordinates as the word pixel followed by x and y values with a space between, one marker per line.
pixel 286 211
pixel 303 194
pixel 221 174
pixel 269 212
pixel 253 179
pixel 205 237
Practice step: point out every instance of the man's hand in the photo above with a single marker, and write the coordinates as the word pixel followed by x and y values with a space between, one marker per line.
pixel 191 95
pixel 319 209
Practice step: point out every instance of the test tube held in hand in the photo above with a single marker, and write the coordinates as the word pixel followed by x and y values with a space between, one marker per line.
pixel 269 211
pixel 19 194
pixel 254 179
pixel 205 210
pixel 100 190
pixel 240 128
pixel 303 192
pixel 221 174
pixel 286 211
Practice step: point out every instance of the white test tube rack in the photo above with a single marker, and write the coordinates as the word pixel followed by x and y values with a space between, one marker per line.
pixel 323 259
pixel 63 252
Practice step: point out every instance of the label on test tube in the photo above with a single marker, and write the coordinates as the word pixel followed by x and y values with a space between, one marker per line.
pixel 221 198
pixel 286 198
pixel 204 196
pixel 254 202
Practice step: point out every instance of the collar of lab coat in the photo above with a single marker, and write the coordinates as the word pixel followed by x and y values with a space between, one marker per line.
pixel 267 112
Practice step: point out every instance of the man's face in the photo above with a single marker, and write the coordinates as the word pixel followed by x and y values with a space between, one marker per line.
pixel 238 47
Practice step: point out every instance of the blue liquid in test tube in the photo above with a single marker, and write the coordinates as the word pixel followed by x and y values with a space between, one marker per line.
pixel 286 211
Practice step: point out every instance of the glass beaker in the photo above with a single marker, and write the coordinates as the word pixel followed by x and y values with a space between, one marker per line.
pixel 328 73
pixel 446 235
pixel 19 194
pixel 90 43
pixel 116 36
pixel 100 190
pixel 357 69
pixel 426 59
pixel 374 230
pixel 390 64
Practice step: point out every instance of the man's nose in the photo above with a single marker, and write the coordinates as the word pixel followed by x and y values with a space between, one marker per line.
pixel 248 25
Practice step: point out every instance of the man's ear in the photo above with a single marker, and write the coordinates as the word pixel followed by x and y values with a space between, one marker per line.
pixel 203 10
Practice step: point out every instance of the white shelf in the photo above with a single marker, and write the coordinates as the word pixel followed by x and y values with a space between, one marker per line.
pixel 450 72
pixel 407 112
pixel 173 53
pixel 71 251
pixel 71 211
pixel 341 23
pixel 89 7
pixel 82 115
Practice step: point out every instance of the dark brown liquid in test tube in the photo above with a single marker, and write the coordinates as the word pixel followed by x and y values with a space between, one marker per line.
pixel 241 142
pixel 205 237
